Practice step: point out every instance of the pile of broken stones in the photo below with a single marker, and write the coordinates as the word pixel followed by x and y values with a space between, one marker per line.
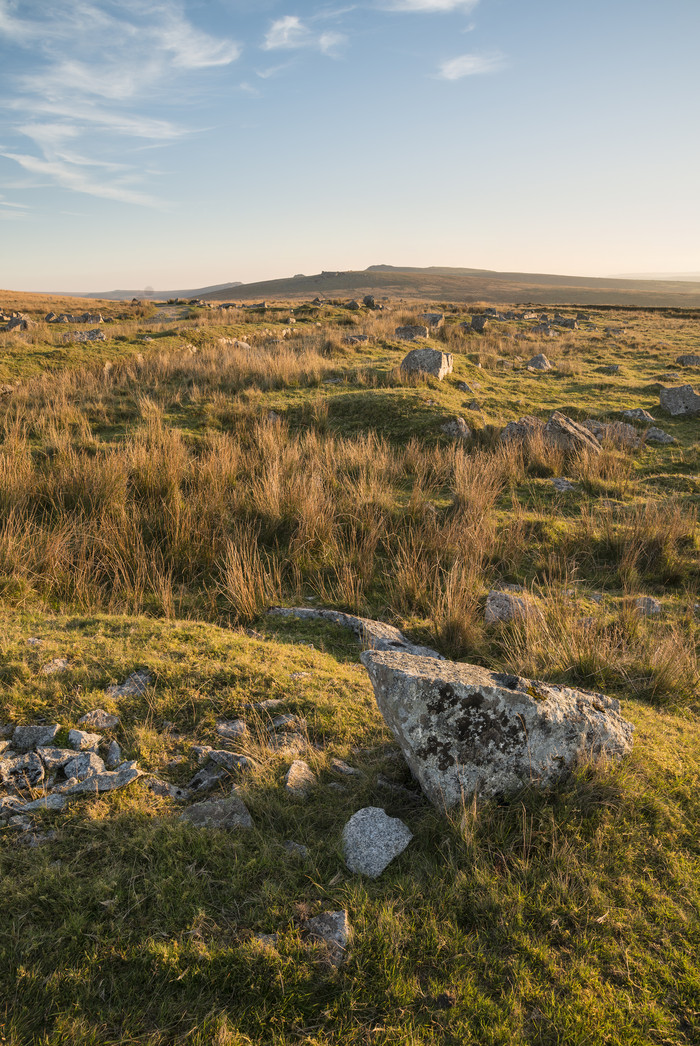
pixel 463 731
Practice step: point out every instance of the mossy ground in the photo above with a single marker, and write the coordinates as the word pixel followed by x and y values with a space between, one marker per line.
pixel 569 916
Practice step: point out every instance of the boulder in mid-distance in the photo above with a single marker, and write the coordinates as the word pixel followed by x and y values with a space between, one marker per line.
pixel 411 331
pixel 683 399
pixel 428 361
pixel 570 435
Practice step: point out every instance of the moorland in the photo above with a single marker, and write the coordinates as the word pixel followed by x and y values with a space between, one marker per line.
pixel 162 488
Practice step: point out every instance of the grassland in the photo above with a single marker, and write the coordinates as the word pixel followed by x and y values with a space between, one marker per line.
pixel 156 496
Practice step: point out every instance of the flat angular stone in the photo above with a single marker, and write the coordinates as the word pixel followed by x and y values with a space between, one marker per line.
pixel 55 758
pixel 428 361
pixel 654 435
pixel 46 802
pixel 166 790
pixel 219 813
pixel 83 741
pixel 25 738
pixel 340 767
pixel 334 930
pixel 375 635
pixel 681 400
pixel 372 839
pixel 479 324
pixel 638 414
pixel 271 702
pixel 466 730
pixel 231 728
pixel 59 664
pixel 299 779
pixel 107 781
pixel 114 755
pixel 98 719
pixel 230 760
pixel 134 685
pixel 85 765
pixel 411 332
pixel 22 771
pixel 207 777
pixel 289 744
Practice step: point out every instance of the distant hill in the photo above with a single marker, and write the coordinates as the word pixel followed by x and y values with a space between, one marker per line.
pixel 465 285
pixel 196 292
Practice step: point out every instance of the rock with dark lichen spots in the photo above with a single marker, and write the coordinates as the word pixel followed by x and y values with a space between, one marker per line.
pixel 466 730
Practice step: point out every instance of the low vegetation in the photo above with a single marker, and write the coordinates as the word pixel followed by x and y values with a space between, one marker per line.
pixel 159 490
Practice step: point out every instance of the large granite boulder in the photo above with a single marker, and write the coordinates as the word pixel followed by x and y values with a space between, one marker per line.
pixel 683 399
pixel 428 361
pixel 466 730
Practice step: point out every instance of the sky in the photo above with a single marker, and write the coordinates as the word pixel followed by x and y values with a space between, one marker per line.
pixel 183 143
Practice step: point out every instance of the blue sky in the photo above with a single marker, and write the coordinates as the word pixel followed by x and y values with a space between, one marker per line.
pixel 188 142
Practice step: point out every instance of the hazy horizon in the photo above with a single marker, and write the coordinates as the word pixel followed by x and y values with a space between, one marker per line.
pixel 181 144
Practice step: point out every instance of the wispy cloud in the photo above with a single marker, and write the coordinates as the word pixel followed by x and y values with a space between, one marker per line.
pixel 83 114
pixel 289 33
pixel 429 6
pixel 11 211
pixel 471 65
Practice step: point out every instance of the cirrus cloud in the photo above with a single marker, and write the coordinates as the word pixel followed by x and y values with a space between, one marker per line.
pixel 471 65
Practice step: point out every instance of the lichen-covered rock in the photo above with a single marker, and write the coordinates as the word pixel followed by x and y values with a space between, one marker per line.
pixel 569 435
pixel 372 839
pixel 55 758
pixel 299 779
pixel 22 771
pixel 219 813
pixel 375 635
pixel 107 781
pixel 688 360
pixel 114 755
pixel 98 719
pixel 540 362
pixel 521 430
pixel 638 414
pixel 505 606
pixel 133 686
pixel 428 361
pixel 682 399
pixel 231 728
pixel 82 740
pixel 84 765
pixel 411 332
pixel 456 428
pixel 466 730
pixel 332 929
pixel 654 435
pixel 25 738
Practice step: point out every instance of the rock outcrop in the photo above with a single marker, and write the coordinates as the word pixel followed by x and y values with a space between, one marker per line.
pixel 466 730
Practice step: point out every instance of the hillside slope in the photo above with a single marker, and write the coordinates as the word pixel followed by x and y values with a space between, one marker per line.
pixel 470 285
